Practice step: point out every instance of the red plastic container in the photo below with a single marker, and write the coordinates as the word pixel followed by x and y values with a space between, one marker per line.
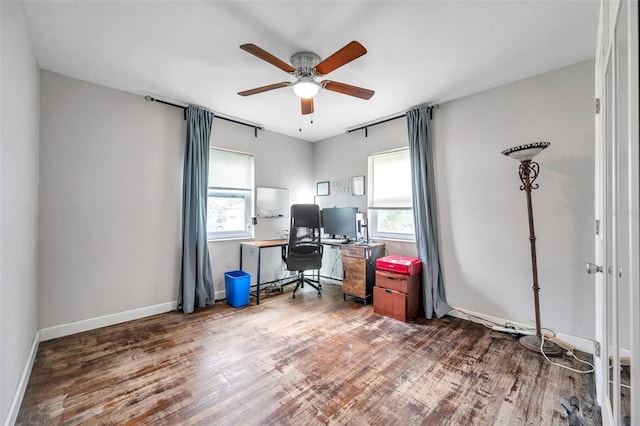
pixel 404 265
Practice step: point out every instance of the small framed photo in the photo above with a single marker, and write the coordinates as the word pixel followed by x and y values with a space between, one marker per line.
pixel 322 188
pixel 357 185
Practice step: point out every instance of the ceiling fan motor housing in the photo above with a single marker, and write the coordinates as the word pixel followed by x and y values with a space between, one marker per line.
pixel 305 62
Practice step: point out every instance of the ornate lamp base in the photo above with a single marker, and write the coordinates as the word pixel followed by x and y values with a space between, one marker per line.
pixel 532 342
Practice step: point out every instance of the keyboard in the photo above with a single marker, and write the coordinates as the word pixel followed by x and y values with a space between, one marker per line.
pixel 335 240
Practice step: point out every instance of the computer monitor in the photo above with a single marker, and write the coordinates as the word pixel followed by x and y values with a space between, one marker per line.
pixel 340 221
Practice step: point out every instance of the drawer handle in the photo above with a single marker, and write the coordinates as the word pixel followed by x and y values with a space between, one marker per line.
pixel 387 277
pixel 386 290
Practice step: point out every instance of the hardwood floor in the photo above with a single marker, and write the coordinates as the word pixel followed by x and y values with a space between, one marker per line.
pixel 303 361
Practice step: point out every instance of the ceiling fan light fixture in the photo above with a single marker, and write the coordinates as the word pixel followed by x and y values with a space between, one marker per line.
pixel 305 88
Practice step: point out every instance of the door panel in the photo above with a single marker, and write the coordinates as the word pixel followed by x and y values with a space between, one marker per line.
pixel 620 368
pixel 610 227
pixel 617 236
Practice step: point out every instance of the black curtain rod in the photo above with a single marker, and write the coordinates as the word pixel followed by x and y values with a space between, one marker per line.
pixel 184 109
pixel 366 126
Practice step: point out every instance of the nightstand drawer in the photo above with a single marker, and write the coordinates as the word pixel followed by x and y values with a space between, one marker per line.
pixel 354 251
pixel 390 303
pixel 397 282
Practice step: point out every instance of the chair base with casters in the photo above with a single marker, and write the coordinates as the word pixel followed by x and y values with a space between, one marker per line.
pixel 300 264
pixel 300 282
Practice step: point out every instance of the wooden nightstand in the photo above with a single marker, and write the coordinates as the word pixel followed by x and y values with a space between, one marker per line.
pixel 359 266
pixel 396 296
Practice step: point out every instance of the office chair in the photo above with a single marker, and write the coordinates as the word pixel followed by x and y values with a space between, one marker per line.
pixel 304 251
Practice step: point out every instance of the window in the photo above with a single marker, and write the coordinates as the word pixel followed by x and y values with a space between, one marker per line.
pixel 390 204
pixel 230 197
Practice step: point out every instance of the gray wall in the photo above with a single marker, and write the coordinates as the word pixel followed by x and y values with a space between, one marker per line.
pixel 483 218
pixel 110 168
pixel 18 201
pixel 110 199
pixel 482 212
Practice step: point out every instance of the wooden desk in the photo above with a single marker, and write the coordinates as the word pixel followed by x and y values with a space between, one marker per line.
pixel 259 245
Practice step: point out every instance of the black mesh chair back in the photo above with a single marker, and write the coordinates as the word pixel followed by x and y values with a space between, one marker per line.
pixel 304 252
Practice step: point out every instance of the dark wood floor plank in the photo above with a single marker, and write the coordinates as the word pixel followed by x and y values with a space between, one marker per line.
pixel 288 361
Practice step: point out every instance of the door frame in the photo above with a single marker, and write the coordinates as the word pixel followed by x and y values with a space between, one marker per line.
pixel 610 12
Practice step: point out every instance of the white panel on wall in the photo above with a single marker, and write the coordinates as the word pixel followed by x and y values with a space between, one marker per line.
pixel 272 202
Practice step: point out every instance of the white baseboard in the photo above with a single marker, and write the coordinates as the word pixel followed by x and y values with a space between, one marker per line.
pixel 580 343
pixel 103 321
pixel 12 415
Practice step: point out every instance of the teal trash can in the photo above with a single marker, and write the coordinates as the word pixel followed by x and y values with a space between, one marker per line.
pixel 236 285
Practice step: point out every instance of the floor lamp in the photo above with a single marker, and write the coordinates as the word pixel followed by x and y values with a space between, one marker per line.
pixel 528 172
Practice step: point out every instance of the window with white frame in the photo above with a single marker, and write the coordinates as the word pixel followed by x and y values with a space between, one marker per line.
pixel 390 203
pixel 230 195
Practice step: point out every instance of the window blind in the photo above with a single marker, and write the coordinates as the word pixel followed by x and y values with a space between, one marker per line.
pixel 390 180
pixel 230 169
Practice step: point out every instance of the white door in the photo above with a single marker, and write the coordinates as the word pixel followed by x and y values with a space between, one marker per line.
pixel 617 210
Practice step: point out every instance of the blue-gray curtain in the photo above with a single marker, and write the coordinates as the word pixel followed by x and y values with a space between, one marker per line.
pixel 196 284
pixel 424 207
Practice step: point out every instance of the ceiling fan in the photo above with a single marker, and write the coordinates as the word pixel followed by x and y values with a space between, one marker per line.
pixel 305 67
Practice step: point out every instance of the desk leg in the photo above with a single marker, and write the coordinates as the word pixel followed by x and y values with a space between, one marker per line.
pixel 258 278
pixel 257 273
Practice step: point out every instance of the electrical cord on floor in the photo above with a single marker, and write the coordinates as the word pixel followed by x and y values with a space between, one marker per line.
pixel 591 370
pixel 508 324
pixel 479 320
pixel 518 330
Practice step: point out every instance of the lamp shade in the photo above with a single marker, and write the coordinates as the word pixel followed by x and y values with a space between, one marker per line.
pixel 305 88
pixel 525 152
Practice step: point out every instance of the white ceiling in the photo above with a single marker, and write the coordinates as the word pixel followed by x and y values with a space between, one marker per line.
pixel 418 51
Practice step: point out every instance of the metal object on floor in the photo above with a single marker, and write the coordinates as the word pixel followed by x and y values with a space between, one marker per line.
pixel 572 409
pixel 532 342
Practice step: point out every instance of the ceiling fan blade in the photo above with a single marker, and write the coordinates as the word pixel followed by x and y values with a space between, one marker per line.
pixel 307 105
pixel 268 57
pixel 263 89
pixel 343 56
pixel 347 89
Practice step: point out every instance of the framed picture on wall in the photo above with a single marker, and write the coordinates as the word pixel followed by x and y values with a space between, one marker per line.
pixel 357 185
pixel 322 188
